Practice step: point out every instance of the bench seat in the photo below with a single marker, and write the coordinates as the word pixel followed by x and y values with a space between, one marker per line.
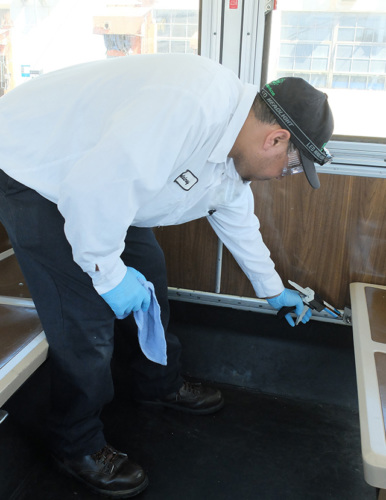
pixel 23 346
pixel 12 282
pixel 368 303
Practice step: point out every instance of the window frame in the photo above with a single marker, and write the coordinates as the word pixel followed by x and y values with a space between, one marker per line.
pixel 210 29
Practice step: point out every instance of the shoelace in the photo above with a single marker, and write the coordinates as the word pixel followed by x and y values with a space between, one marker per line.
pixel 194 389
pixel 106 456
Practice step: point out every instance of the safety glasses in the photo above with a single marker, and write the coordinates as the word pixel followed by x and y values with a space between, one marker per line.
pixel 294 164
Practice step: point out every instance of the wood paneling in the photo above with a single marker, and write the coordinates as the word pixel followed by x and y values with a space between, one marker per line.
pixel 190 252
pixel 324 239
pixel 12 282
pixel 327 238
pixel 4 241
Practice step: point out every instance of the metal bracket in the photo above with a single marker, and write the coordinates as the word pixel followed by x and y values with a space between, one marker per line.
pixel 246 304
pixel 269 6
pixel 347 316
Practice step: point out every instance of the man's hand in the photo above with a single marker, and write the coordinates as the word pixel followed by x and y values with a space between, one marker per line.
pixel 129 295
pixel 289 298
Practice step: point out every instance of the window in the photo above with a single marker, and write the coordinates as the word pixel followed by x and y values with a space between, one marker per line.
pixel 339 47
pixel 38 36
pixel 177 30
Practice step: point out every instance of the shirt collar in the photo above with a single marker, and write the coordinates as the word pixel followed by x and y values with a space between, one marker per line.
pixel 220 152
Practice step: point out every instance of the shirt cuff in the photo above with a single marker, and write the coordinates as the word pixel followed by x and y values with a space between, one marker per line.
pixel 269 287
pixel 105 280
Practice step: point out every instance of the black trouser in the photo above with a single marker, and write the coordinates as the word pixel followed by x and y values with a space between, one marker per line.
pixel 78 323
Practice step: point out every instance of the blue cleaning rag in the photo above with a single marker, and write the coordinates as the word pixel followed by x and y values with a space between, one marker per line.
pixel 151 334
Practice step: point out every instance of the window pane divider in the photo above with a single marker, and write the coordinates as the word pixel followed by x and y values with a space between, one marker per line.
pixel 211 29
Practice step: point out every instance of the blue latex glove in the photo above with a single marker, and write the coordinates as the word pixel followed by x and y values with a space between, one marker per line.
pixel 289 298
pixel 129 295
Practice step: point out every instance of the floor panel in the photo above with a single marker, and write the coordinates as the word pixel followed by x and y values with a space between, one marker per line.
pixel 259 446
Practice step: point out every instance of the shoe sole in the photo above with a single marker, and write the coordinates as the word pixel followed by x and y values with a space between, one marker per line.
pixel 112 494
pixel 174 406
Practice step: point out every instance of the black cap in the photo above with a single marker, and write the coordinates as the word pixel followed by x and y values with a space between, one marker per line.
pixel 304 111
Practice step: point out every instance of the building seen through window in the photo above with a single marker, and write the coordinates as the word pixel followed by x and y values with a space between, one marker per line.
pixel 335 50
pixel 338 46
pixel 38 36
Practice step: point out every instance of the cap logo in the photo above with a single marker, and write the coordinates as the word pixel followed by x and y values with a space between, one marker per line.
pixel 275 82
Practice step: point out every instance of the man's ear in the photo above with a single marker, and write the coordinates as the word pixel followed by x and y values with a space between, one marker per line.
pixel 278 137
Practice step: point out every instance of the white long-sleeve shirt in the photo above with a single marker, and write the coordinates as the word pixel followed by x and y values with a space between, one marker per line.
pixel 139 140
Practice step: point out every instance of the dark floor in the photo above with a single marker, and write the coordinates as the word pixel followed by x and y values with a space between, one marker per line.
pixel 289 430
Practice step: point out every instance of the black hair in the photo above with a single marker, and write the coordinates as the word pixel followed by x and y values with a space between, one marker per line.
pixel 262 111
pixel 265 115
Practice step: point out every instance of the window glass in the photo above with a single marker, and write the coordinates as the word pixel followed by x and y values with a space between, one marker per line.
pixel 39 36
pixel 339 46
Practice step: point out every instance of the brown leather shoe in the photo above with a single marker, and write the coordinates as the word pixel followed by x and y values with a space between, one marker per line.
pixel 192 398
pixel 108 472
